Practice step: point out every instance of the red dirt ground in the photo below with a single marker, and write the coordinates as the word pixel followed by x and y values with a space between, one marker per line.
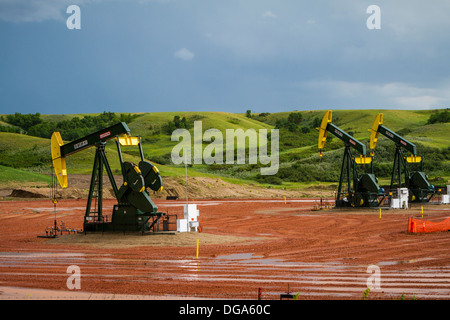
pixel 279 247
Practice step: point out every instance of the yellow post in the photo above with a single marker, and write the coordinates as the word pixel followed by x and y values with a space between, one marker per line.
pixel 284 199
pixel 421 207
pixel 380 213
pixel 197 249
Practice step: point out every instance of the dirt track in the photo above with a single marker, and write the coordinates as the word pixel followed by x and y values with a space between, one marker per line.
pixel 245 245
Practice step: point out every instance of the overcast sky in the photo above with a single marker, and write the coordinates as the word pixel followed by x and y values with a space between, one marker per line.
pixel 222 55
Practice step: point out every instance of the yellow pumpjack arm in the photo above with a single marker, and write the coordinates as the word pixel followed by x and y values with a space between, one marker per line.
pixel 59 162
pixel 378 128
pixel 60 150
pixel 327 126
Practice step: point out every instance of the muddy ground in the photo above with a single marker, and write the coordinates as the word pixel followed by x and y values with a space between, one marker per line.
pixel 245 245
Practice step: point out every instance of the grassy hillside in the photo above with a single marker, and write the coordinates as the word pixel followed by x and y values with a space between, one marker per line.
pixel 299 161
pixel 18 176
pixel 157 142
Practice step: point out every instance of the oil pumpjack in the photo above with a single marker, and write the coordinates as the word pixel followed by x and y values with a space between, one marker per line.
pixel 135 210
pixel 420 190
pixel 362 188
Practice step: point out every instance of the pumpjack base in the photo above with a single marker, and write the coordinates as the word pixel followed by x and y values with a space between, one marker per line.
pixel 113 227
pixel 362 200
pixel 421 195
pixel 126 221
pixel 48 237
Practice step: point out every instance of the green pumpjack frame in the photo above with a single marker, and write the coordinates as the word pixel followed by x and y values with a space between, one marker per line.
pixel 416 181
pixel 135 211
pixel 362 189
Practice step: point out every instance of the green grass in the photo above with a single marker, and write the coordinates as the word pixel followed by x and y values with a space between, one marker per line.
pixel 22 151
pixel 12 175
pixel 433 135
pixel 157 143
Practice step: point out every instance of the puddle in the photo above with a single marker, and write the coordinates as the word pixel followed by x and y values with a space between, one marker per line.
pixel 258 262
pixel 238 256
pixel 40 255
pixel 316 215
pixel 392 263
pixel 249 260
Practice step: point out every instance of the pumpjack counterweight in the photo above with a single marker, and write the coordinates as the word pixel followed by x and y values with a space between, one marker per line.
pixel 135 208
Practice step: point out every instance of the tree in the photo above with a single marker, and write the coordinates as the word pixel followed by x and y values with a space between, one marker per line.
pixel 43 130
pixel 316 122
pixel 293 121
pixel 439 117
pixel 24 121
pixel 295 118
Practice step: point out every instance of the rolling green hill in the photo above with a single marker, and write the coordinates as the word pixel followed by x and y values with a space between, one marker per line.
pixel 299 161
pixel 10 175
pixel 157 142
